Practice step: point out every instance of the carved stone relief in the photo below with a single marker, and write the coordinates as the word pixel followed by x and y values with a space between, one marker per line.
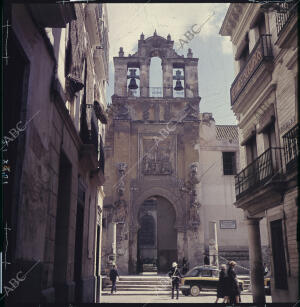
pixel 159 157
pixel 191 112
pixel 120 211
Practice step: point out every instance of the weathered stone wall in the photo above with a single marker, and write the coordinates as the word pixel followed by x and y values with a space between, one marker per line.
pixel 55 130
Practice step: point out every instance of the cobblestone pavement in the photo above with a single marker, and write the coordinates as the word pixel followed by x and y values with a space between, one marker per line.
pixel 204 297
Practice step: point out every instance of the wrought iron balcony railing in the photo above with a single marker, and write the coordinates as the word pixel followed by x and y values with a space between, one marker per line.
pixel 286 11
pixel 156 92
pixel 259 172
pixel 291 147
pixel 261 52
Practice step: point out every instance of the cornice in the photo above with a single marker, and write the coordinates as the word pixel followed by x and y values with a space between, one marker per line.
pixel 242 25
pixel 231 19
pixel 259 101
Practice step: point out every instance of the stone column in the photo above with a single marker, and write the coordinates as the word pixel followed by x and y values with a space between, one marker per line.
pixel 180 244
pixel 256 264
pixel 120 88
pixel 213 244
pixel 132 250
pixel 167 79
pixel 112 238
pixel 144 80
pixel 191 79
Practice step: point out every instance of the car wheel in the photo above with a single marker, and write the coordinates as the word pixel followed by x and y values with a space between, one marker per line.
pixel 195 290
pixel 185 292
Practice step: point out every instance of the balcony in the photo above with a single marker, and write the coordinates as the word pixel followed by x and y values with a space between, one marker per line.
pixel 287 10
pixel 262 52
pixel 263 170
pixel 89 137
pixel 291 148
pixel 286 23
pixel 156 92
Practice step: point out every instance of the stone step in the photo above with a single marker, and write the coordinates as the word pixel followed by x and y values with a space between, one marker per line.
pixel 144 278
pixel 149 290
pixel 130 285
pixel 143 283
pixel 138 293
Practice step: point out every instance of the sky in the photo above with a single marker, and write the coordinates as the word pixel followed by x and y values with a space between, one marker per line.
pixel 127 21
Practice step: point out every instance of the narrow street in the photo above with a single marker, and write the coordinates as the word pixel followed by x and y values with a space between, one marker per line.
pixel 157 289
pixel 138 297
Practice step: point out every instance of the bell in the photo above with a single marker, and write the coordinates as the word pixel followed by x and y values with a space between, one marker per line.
pixel 132 84
pixel 178 86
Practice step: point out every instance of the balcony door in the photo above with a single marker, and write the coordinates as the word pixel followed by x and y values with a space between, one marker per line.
pixel 251 150
pixel 252 169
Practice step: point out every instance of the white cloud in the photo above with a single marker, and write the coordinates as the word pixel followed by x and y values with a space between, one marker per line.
pixel 226 45
pixel 127 21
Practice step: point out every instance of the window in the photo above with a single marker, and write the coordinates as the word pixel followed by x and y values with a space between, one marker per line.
pixel 206 273
pixel 229 163
pixel 269 136
pixel 193 273
pixel 280 272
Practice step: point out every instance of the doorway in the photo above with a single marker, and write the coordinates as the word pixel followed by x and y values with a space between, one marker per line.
pixel 157 237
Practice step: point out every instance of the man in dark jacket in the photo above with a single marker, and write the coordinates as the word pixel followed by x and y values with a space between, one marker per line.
pixel 175 275
pixel 233 285
pixel 113 274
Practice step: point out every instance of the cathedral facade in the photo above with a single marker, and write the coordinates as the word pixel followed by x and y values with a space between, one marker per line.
pixel 152 208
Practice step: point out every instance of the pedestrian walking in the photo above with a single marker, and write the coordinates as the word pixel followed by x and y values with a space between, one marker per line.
pixel 233 285
pixel 175 275
pixel 113 274
pixel 222 284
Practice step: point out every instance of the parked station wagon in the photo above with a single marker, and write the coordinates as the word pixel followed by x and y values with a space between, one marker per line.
pixel 201 277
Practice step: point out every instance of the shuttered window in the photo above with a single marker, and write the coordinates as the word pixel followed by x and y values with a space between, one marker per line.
pixel 229 163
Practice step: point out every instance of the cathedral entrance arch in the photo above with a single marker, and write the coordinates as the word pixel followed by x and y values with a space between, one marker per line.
pixel 157 235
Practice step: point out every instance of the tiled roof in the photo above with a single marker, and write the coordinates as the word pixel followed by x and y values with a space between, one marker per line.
pixel 226 132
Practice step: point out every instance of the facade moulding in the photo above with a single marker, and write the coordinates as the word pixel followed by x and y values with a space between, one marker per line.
pixel 266 94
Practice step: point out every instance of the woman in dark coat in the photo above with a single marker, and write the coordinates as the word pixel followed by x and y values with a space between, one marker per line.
pixel 233 285
pixel 221 290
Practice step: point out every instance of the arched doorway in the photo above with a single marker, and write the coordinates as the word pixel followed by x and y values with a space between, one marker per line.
pixel 157 236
